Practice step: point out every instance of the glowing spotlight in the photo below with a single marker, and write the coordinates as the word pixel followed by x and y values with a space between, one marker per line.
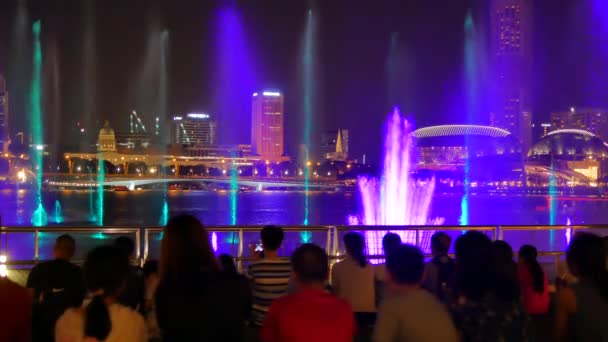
pixel 21 176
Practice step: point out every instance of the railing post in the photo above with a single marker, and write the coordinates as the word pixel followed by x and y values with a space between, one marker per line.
pixel 36 246
pixel 334 247
pixel 418 238
pixel 146 243
pixel 240 251
pixel 328 248
pixel 498 233
pixel 140 260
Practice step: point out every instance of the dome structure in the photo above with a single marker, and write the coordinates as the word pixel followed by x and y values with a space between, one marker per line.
pixel 488 153
pixel 107 139
pixel 569 144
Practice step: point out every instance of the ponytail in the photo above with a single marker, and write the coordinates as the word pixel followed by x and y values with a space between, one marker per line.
pixel 538 276
pixel 97 322
pixel 529 254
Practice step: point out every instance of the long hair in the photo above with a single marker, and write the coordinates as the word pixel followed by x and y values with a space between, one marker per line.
pixel 528 254
pixel 355 246
pixel 474 276
pixel 185 248
pixel 586 258
pixel 105 270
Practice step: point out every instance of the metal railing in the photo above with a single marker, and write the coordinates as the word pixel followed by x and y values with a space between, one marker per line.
pixel 143 241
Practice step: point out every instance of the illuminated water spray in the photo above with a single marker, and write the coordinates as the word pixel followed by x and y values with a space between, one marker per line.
pixel 234 79
pixel 58 212
pixel 101 174
pixel 162 95
pixel 552 201
pixel 234 190
pixel 396 198
pixel 308 80
pixel 39 218
pixel 472 105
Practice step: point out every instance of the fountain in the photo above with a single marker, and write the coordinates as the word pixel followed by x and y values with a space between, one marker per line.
pixel 39 218
pixel 308 80
pixel 162 112
pixel 58 212
pixel 396 199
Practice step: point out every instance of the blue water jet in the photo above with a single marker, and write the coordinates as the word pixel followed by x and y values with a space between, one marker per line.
pixel 58 212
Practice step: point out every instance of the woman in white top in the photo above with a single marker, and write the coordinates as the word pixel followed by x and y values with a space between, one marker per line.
pixel 103 319
pixel 353 279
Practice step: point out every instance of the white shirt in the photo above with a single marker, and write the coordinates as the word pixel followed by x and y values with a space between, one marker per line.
pixel 127 325
pixel 355 284
pixel 414 316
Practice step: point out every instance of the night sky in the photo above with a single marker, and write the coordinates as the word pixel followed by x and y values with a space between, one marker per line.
pixel 353 41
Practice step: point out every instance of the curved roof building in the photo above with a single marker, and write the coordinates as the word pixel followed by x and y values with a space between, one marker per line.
pixel 569 144
pixel 489 153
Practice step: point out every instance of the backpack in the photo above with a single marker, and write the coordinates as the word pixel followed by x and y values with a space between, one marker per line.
pixel 445 277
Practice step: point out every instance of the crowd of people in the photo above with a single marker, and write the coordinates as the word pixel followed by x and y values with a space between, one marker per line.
pixel 190 294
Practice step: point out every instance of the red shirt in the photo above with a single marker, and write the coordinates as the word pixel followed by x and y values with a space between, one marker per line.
pixel 534 302
pixel 16 313
pixel 309 315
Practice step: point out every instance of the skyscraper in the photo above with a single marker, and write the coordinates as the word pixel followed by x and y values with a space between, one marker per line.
pixel 594 120
pixel 4 135
pixel 511 49
pixel 194 129
pixel 267 125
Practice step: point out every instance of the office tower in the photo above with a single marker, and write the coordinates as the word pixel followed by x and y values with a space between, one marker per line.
pixel 511 49
pixel 267 125
pixel 594 120
pixel 194 129
pixel 4 134
pixel 334 144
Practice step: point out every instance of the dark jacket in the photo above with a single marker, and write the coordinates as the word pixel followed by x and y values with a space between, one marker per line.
pixel 205 306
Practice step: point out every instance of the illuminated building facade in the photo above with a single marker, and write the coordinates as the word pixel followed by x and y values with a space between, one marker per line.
pixel 194 129
pixel 594 120
pixel 572 149
pixel 490 154
pixel 511 47
pixel 4 133
pixel 334 144
pixel 267 140
pixel 106 141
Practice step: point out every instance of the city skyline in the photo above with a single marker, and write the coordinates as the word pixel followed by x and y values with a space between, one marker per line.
pixel 352 90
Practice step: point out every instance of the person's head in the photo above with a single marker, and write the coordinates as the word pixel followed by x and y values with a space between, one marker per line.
pixel 150 268
pixel 105 271
pixel 227 263
pixel 473 265
pixel 355 247
pixel 185 248
pixel 405 265
pixel 440 244
pixel 310 265
pixel 126 245
pixel 502 252
pixel 586 257
pixel 272 237
pixel 390 242
pixel 65 247
pixel 527 256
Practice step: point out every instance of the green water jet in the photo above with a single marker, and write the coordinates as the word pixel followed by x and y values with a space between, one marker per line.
pixel 40 217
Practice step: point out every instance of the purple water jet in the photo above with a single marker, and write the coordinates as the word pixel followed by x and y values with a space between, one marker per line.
pixel 396 199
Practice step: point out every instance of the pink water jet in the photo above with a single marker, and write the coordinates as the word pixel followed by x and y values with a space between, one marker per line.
pixel 396 199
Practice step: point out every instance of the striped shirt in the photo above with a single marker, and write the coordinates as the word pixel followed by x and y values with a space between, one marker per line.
pixel 269 281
